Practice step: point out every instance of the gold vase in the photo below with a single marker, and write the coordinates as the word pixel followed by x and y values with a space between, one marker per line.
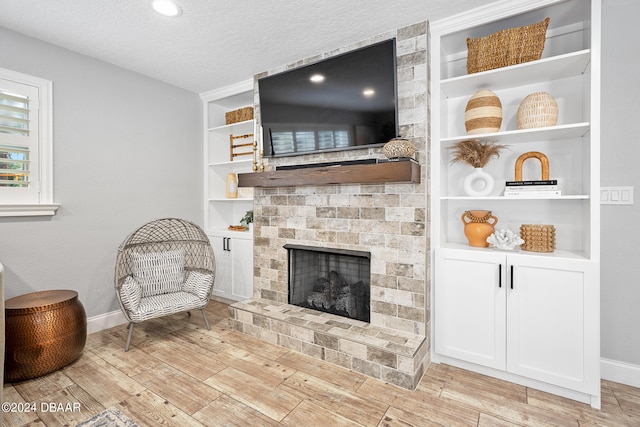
pixel 478 225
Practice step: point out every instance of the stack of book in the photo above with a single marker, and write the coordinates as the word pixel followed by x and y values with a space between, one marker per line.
pixel 532 189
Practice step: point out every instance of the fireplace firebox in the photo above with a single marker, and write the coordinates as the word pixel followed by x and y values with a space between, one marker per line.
pixel 331 280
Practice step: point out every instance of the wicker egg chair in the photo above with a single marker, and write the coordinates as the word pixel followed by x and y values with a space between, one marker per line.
pixel 166 266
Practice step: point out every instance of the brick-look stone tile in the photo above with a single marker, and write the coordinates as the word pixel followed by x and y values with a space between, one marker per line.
pixel 261 322
pixel 373 213
pixel 327 236
pixel 338 358
pixel 348 212
pixel 281 327
pixel 312 350
pixel 382 357
pixel 352 348
pixel 386 308
pixel 290 342
pixel 399 269
pixel 325 340
pixel 317 223
pixel 412 59
pixel 365 367
pixel 398 378
pixel 411 313
pixel 286 233
pixel 326 212
pixel 405 74
pixel 413 30
pixel 235 325
pixel 348 238
pixel 410 284
pixel 413 228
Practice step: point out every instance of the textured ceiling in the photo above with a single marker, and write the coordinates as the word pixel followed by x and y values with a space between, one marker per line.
pixel 215 42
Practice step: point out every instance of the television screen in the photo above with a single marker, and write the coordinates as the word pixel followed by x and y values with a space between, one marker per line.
pixel 343 102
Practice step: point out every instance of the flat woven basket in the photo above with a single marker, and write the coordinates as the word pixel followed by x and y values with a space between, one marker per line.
pixel 507 47
pixel 239 115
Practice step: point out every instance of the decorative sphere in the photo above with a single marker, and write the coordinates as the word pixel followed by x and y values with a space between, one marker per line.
pixel 537 110
pixel 398 147
pixel 483 113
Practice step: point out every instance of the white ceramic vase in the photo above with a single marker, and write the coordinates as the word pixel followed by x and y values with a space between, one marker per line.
pixel 478 183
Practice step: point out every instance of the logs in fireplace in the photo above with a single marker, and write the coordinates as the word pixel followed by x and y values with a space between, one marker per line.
pixel 335 281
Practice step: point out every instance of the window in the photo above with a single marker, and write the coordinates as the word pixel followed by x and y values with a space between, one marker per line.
pixel 301 139
pixel 26 186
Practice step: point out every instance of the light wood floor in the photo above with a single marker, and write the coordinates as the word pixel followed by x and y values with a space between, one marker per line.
pixel 179 374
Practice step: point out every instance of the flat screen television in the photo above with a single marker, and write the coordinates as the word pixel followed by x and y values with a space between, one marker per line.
pixel 344 102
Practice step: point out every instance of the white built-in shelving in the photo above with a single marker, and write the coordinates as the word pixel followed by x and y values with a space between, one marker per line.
pixel 512 285
pixel 233 249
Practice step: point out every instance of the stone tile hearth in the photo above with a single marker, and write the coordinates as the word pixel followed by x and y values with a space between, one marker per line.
pixel 386 354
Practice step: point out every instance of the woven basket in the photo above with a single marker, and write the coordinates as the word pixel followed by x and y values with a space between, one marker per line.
pixel 538 237
pixel 537 110
pixel 507 47
pixel 239 115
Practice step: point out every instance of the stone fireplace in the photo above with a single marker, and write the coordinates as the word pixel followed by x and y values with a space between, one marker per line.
pixel 387 220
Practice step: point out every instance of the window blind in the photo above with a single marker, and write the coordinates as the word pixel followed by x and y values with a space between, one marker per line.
pixel 14 139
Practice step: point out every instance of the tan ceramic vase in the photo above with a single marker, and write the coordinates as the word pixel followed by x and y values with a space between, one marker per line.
pixel 478 225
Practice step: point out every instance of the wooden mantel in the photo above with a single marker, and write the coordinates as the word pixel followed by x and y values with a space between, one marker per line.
pixel 388 171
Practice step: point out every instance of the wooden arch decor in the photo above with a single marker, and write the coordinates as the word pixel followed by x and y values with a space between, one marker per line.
pixel 544 163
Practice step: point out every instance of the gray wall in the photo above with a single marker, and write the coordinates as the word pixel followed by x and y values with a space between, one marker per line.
pixel 127 149
pixel 620 269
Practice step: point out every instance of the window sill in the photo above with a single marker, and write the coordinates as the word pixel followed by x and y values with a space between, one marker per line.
pixel 41 209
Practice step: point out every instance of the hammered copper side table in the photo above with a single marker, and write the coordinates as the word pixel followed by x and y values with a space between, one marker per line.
pixel 45 331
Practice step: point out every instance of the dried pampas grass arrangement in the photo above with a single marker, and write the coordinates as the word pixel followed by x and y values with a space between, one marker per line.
pixel 475 152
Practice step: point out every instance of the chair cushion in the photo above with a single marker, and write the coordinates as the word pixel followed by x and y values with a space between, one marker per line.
pixel 158 272
pixel 198 284
pixel 162 305
pixel 130 294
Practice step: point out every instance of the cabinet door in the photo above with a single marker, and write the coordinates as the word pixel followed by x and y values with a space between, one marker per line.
pixel 224 273
pixel 553 321
pixel 470 306
pixel 241 251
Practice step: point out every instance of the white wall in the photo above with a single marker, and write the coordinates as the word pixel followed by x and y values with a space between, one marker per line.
pixel 620 288
pixel 127 149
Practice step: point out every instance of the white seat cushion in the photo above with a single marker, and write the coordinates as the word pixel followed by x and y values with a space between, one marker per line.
pixel 165 304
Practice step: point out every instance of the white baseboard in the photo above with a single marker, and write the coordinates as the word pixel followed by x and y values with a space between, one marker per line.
pixel 620 372
pixel 105 321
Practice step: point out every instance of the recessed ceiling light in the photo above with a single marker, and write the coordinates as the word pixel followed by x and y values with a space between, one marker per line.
pixel 167 8
pixel 317 78
pixel 368 92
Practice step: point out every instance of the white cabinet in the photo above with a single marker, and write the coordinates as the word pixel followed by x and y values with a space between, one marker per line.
pixel 544 332
pixel 234 267
pixel 220 212
pixel 525 315
pixel 470 311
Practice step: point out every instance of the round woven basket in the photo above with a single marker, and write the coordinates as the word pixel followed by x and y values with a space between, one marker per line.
pixel 483 113
pixel 537 110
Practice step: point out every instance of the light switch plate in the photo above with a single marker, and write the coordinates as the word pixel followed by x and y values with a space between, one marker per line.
pixel 616 195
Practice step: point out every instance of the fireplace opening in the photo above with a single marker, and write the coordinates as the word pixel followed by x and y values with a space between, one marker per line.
pixel 334 281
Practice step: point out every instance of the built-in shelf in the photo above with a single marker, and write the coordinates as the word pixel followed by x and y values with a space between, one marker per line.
pixel 384 172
